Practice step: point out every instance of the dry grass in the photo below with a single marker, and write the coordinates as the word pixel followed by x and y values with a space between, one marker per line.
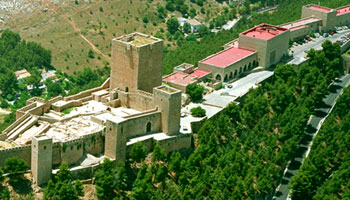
pixel 59 28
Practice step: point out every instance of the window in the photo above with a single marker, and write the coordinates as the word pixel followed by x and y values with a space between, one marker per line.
pixel 236 72
pixel 148 127
pixel 126 89
pixel 226 77
pixel 231 74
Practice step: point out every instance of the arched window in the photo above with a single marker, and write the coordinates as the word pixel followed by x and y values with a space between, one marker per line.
pixel 236 72
pixel 231 74
pixel 240 70
pixel 126 89
pixel 250 65
pixel 254 63
pixel 148 127
pixel 226 77
pixel 218 77
pixel 245 68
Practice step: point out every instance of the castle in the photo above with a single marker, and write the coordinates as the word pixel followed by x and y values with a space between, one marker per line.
pixel 131 106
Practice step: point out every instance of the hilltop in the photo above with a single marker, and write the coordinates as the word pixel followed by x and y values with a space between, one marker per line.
pixel 71 28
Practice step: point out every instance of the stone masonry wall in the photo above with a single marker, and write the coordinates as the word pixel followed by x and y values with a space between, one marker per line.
pixel 19 152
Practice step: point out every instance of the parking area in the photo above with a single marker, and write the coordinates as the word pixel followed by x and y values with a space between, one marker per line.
pixel 299 50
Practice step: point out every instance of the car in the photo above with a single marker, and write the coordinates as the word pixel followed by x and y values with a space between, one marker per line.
pixel 325 35
pixel 331 33
pixel 229 86
pixel 184 128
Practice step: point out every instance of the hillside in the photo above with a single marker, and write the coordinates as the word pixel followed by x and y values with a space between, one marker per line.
pixel 70 28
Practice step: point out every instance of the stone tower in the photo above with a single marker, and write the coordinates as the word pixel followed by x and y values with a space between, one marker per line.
pixel 41 165
pixel 136 62
pixel 115 140
pixel 168 101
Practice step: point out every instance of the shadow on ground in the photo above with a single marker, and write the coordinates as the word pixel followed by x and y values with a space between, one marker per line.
pixel 334 88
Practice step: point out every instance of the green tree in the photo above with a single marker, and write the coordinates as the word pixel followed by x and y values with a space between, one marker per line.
pixel 173 25
pixel 4 191
pixel 195 91
pixel 198 112
pixel 110 181
pixel 62 186
pixel 138 152
pixel 158 154
pixel 187 28
pixel 16 168
pixel 91 53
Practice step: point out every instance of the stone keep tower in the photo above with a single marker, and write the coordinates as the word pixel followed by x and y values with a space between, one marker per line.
pixel 168 101
pixel 136 62
pixel 41 165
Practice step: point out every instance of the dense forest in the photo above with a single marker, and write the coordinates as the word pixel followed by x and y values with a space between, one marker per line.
pixel 325 173
pixel 241 152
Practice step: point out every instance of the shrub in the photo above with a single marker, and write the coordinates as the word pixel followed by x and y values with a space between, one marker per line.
pixel 198 112
pixel 195 91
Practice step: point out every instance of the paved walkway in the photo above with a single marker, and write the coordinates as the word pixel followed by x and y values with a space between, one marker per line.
pixel 216 101
pixel 311 131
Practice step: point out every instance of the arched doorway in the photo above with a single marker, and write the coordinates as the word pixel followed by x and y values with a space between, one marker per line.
pixel 218 77
pixel 226 78
pixel 240 70
pixel 236 72
pixel 250 65
pixel 126 89
pixel 148 127
pixel 245 68
pixel 231 75
pixel 254 63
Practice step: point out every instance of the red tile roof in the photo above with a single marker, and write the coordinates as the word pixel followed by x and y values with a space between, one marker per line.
pixel 319 8
pixel 343 10
pixel 199 73
pixel 227 57
pixel 180 78
pixel 264 31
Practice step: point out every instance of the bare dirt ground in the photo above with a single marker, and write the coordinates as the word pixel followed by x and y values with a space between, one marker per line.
pixel 71 29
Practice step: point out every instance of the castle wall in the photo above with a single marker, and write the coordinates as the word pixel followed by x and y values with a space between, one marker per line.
pixel 87 93
pixel 73 103
pixel 141 102
pixel 72 151
pixel 22 111
pixel 176 143
pixel 23 152
pixel 137 126
pixel 16 123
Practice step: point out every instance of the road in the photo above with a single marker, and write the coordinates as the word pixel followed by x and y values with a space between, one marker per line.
pixel 312 128
pixel 299 51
